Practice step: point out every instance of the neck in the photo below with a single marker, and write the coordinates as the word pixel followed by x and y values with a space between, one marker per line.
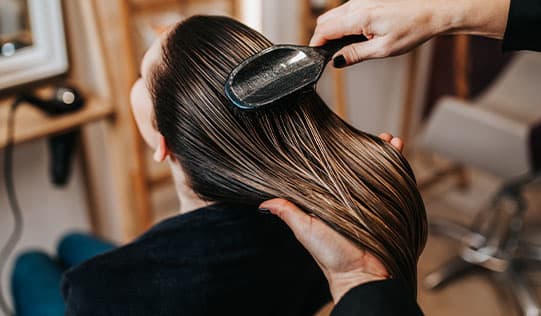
pixel 189 201
pixel 188 204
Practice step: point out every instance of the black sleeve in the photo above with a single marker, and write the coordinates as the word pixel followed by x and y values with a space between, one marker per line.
pixel 380 298
pixel 67 294
pixel 72 293
pixel 523 30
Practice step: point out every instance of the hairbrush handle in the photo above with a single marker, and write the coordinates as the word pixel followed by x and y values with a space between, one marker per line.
pixel 331 47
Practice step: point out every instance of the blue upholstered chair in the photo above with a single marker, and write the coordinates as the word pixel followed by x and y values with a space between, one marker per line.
pixel 36 277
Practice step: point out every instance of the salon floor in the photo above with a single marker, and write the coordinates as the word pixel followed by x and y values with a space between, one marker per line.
pixel 474 294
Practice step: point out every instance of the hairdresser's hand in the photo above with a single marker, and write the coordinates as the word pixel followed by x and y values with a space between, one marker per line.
pixel 394 27
pixel 344 264
pixel 396 142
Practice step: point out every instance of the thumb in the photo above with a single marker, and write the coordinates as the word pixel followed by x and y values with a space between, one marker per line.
pixel 358 52
pixel 297 220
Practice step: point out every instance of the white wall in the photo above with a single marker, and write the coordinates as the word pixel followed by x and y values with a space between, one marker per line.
pixel 280 20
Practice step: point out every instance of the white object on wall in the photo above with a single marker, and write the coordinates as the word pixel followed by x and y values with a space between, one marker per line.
pixel 47 56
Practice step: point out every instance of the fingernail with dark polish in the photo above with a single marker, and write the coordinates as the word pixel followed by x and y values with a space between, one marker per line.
pixel 339 61
pixel 264 211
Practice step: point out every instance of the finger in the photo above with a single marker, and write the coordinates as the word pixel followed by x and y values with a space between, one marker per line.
pixel 328 17
pixel 318 38
pixel 352 54
pixel 397 143
pixel 321 36
pixel 297 220
pixel 334 13
pixel 293 216
pixel 337 27
pixel 386 137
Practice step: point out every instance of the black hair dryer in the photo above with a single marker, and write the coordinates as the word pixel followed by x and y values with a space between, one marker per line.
pixel 62 146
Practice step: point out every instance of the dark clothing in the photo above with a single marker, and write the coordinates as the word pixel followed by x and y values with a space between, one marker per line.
pixel 523 26
pixel 218 260
pixel 380 298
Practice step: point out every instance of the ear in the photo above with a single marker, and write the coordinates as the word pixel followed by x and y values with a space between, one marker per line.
pixel 162 151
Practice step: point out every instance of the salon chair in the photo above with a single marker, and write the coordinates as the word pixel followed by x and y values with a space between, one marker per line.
pixel 36 276
pixel 498 132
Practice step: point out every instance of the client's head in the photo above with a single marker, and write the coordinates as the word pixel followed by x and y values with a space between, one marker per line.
pixel 298 149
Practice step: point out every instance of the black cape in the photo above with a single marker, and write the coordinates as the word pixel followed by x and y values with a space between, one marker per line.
pixel 523 30
pixel 217 260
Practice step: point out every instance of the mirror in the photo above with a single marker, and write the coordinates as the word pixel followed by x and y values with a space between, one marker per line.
pixel 15 32
pixel 32 41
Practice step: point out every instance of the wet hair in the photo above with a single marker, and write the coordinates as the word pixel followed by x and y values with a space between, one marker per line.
pixel 298 149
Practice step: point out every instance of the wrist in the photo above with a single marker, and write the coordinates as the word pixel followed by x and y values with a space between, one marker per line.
pixel 451 17
pixel 475 17
pixel 344 282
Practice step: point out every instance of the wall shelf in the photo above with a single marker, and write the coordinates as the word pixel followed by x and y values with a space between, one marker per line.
pixel 31 123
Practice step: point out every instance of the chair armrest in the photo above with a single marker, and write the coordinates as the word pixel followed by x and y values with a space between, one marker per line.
pixel 476 136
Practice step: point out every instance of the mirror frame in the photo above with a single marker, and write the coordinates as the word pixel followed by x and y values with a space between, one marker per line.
pixel 47 56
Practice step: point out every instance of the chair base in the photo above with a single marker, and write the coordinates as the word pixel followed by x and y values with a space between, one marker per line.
pixel 477 256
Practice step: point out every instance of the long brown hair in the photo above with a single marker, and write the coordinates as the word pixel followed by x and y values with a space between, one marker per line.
pixel 298 149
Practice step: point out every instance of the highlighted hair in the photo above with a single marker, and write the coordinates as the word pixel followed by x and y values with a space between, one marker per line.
pixel 298 150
